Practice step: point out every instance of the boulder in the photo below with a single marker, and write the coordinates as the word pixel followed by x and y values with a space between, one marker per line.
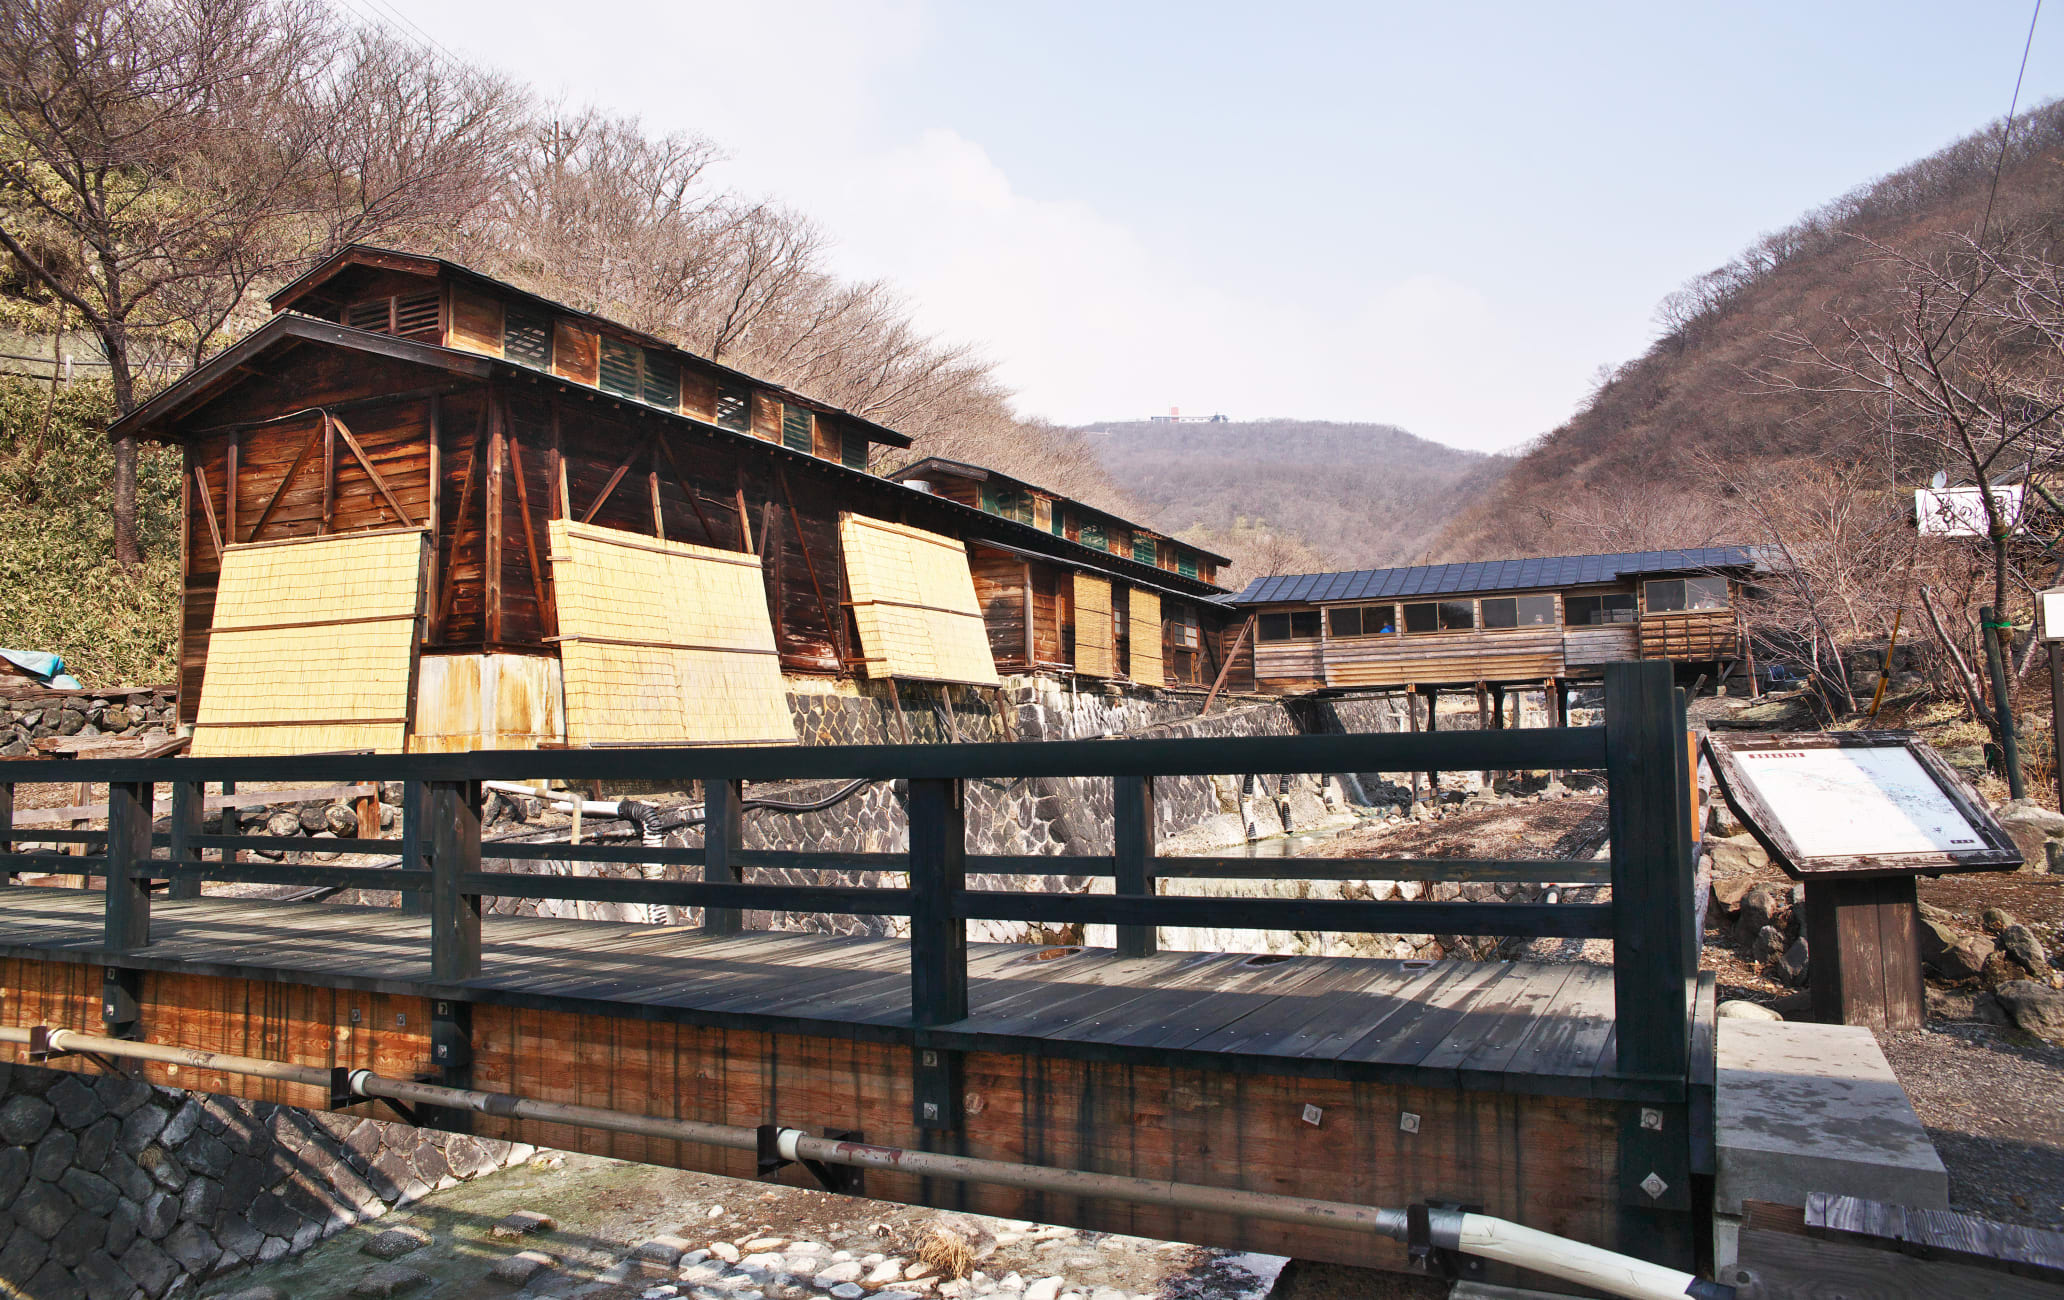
pixel 1996 919
pixel 1721 819
pixel 283 824
pixel 1768 945
pixel 2036 1008
pixel 341 820
pixel 1728 892
pixel 2020 944
pixel 1765 905
pixel 1952 955
pixel 1739 855
pixel 2032 826
pixel 1792 967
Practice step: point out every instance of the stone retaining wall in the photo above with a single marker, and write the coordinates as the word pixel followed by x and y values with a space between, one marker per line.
pixel 1042 816
pixel 111 1188
pixel 30 714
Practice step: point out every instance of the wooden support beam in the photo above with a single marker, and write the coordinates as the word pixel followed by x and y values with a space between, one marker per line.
pixel 1865 939
pixel 128 852
pixel 833 627
pixel 231 457
pixel 7 828
pixel 687 490
pixel 329 475
pixel 745 541
pixel 1132 826
pixel 938 876
pixel 652 490
pixel 453 812
pixel 447 587
pixel 723 827
pixel 548 614
pixel 564 499
pixel 200 474
pixel 493 510
pixel 293 471
pixel 616 477
pixel 365 463
pixel 415 846
pixel 189 798
pixel 434 518
pixel 1225 669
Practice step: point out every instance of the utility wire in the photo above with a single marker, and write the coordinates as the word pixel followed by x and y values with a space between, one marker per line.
pixel 2007 129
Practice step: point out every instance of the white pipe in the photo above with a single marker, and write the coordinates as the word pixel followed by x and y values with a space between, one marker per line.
pixel 1475 1234
pixel 1573 1261
pixel 591 807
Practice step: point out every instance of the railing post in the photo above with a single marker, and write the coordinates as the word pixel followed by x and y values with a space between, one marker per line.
pixel 128 850
pixel 1132 828
pixel 1655 952
pixel 938 876
pixel 723 825
pixel 415 850
pixel 453 810
pixel 1655 957
pixel 7 827
pixel 232 823
pixel 189 798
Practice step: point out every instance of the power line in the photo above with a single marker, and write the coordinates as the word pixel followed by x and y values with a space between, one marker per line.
pixel 2007 130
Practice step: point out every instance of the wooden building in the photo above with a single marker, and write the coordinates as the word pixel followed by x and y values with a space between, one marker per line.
pixel 1068 611
pixel 1523 622
pixel 585 511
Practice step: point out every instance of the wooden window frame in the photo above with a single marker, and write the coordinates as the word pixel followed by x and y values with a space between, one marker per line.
pixel 1484 613
pixel 737 417
pixel 1441 624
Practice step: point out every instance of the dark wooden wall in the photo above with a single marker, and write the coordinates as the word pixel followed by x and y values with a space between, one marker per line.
pixel 510 457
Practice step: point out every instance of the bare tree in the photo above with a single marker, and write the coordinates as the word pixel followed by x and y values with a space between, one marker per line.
pixel 159 158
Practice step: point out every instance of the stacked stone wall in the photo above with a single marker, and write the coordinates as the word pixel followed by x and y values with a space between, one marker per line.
pixel 111 1188
pixel 29 714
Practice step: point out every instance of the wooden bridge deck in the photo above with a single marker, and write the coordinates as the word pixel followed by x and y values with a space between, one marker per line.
pixel 1537 1028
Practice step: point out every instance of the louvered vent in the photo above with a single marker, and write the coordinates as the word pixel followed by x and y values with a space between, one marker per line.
pixel 619 368
pixel 417 316
pixel 377 315
pixel 852 450
pixel 662 380
pixel 527 338
pixel 795 428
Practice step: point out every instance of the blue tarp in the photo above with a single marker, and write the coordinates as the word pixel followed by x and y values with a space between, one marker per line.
pixel 47 667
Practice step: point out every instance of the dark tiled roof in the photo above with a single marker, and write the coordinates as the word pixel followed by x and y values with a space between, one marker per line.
pixel 1488 575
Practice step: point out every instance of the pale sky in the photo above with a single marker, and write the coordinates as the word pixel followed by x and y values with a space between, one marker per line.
pixel 1441 217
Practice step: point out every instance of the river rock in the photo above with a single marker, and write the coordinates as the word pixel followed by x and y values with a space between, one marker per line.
pixel 1953 955
pixel 2036 1008
pixel 1735 1009
pixel 1792 966
pixel 1739 855
pixel 1768 945
pixel 1765 905
pixel 2019 942
pixel 2032 826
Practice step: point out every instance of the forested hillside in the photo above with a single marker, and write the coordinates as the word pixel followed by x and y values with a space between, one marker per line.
pixel 1288 495
pixel 1762 374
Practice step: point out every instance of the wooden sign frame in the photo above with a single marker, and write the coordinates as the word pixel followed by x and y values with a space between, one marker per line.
pixel 1999 853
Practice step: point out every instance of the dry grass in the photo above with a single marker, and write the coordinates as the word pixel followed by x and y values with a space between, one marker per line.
pixel 947 1252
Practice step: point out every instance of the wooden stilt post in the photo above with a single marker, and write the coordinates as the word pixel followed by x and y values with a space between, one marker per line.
pixel 1133 839
pixel 723 825
pixel 1412 717
pixel 189 798
pixel 938 875
pixel 453 811
pixel 128 852
pixel 1433 724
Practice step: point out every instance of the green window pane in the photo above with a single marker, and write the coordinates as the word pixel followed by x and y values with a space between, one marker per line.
pixel 1092 534
pixel 1060 521
pixel 662 380
pixel 852 450
pixel 795 428
pixel 620 369
pixel 1143 550
pixel 1186 565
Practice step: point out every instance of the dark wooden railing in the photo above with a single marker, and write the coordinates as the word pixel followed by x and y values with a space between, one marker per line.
pixel 1641 749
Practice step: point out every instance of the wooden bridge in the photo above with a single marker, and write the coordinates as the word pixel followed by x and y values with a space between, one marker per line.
pixel 1568 1097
